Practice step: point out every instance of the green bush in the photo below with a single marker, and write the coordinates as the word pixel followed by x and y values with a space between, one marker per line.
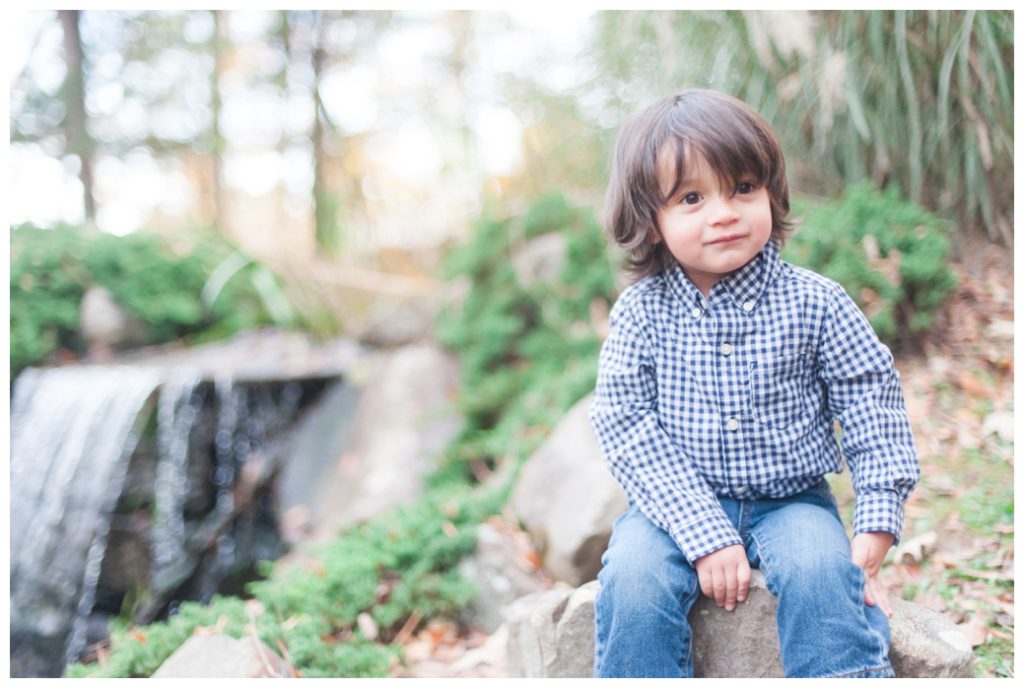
pixel 890 256
pixel 528 352
pixel 52 268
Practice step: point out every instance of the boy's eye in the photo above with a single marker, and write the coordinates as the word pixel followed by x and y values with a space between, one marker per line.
pixel 745 188
pixel 691 199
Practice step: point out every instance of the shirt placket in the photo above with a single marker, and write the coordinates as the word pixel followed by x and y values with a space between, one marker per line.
pixel 735 323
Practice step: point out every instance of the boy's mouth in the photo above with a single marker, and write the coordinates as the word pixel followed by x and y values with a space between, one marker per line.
pixel 726 239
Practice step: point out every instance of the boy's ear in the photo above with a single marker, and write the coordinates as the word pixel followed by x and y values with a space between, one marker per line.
pixel 656 237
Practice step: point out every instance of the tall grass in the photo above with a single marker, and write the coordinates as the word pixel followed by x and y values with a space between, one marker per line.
pixel 922 99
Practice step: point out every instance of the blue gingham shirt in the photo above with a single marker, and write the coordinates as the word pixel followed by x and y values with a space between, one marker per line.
pixel 735 396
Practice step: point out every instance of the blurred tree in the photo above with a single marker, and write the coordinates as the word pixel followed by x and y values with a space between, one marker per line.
pixel 77 141
pixel 217 142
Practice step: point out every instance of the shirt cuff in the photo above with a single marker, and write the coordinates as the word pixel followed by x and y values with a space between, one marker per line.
pixel 706 535
pixel 879 512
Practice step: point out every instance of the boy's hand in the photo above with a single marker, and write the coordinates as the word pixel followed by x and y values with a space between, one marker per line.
pixel 868 551
pixel 725 575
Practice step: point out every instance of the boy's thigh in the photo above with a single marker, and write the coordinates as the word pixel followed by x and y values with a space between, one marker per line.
pixel 640 553
pixel 804 532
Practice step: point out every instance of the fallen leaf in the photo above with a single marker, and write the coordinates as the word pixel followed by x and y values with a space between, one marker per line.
pixel 916 549
pixel 999 424
pixel 971 384
pixel 975 630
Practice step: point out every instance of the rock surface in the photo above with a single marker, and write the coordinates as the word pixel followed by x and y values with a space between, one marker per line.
pixel 567 500
pixel 500 572
pixel 220 656
pixel 404 418
pixel 551 634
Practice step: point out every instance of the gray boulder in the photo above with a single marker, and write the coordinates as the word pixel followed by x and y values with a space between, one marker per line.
pixel 500 573
pixel 105 324
pixel 404 418
pixel 551 634
pixel 220 656
pixel 540 259
pixel 566 499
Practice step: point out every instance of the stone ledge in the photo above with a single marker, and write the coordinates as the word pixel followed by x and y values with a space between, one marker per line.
pixel 551 634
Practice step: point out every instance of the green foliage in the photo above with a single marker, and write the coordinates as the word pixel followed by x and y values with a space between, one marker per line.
pixel 392 568
pixel 47 274
pixel 138 652
pixel 900 287
pixel 528 351
pixel 52 268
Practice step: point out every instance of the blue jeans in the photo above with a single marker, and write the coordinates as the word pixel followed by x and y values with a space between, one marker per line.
pixel 825 629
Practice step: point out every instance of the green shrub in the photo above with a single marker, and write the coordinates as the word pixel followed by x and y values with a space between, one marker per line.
pixel 904 284
pixel 528 352
pixel 52 268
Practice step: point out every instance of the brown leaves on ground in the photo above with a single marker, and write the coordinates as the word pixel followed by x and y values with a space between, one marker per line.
pixel 959 397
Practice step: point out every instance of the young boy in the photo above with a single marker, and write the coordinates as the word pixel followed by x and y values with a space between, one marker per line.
pixel 717 391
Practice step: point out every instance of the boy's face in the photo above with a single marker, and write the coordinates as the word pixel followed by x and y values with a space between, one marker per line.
pixel 711 231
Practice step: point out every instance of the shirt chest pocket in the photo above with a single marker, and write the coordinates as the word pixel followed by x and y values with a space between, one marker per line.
pixel 779 389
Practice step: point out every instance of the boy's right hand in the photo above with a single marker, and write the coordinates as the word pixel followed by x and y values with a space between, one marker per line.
pixel 725 575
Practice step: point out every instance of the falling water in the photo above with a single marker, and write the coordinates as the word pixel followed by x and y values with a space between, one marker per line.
pixel 73 431
pixel 176 415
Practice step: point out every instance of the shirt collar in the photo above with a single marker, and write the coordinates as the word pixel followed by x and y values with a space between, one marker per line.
pixel 746 285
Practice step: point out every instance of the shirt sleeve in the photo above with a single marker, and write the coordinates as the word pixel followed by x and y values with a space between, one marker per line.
pixel 865 396
pixel 652 470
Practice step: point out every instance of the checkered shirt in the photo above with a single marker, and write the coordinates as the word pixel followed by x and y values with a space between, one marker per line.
pixel 737 395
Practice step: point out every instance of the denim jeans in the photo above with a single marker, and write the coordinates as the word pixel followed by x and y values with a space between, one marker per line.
pixel 825 629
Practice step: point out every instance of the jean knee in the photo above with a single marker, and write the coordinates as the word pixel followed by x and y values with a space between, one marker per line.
pixel 822 574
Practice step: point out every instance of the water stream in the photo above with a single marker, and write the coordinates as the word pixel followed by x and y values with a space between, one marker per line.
pixel 73 431
pixel 78 434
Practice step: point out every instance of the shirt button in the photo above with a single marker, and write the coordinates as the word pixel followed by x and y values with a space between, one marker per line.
pixel 726 349
pixel 748 306
pixel 732 425
pixel 696 312
pixel 741 490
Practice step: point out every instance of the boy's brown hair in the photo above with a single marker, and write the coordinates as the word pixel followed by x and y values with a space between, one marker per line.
pixel 735 141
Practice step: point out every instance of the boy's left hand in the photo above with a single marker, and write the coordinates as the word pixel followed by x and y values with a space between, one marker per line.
pixel 868 551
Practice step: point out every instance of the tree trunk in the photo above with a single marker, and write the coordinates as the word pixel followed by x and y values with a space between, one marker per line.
pixel 78 142
pixel 217 192
pixel 324 208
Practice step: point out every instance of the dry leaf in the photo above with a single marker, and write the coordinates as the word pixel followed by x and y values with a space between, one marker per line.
pixel 971 384
pixel 975 630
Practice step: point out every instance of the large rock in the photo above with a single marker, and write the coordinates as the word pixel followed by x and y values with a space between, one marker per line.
pixel 551 634
pixel 105 324
pixel 567 500
pixel 500 569
pixel 220 656
pixel 405 417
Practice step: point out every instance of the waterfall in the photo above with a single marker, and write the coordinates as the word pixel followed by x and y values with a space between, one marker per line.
pixel 81 440
pixel 176 415
pixel 73 431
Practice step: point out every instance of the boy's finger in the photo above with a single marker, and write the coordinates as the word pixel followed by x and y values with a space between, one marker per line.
pixel 719 584
pixel 705 582
pixel 881 597
pixel 731 586
pixel 743 583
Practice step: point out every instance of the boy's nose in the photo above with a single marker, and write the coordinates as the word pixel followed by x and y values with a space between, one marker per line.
pixel 722 211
